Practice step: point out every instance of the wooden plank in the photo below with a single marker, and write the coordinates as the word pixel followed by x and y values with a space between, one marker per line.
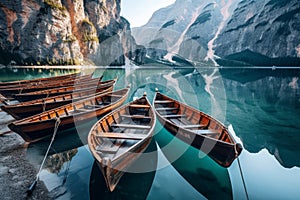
pixel 167 109
pixel 136 116
pixel 108 147
pixel 130 126
pixel 173 116
pixel 205 132
pixel 114 95
pixel 163 101
pixel 192 126
pixel 139 106
pixel 126 136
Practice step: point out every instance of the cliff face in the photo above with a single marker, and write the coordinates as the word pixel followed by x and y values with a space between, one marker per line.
pixel 237 30
pixel 184 28
pixel 63 32
pixel 267 27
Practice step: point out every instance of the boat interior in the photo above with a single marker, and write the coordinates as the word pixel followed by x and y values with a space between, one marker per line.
pixel 117 132
pixel 190 119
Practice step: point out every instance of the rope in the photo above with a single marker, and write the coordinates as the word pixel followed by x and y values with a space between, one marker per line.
pixel 31 188
pixel 44 105
pixel 247 196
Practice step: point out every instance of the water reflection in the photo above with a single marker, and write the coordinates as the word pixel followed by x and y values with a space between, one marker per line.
pixel 262 105
pixel 11 74
pixel 206 176
pixel 131 185
pixel 266 114
pixel 54 163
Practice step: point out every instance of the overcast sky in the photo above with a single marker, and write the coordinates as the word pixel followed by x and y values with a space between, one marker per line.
pixel 138 12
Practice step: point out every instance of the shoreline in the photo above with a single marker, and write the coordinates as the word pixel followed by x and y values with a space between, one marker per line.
pixel 16 172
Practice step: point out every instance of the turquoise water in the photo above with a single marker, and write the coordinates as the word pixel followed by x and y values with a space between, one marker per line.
pixel 262 105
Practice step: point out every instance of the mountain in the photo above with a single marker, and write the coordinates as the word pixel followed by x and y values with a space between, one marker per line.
pixel 226 31
pixel 267 27
pixel 58 32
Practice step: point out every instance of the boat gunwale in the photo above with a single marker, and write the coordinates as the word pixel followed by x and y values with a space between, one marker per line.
pixel 149 134
pixel 46 113
pixel 233 142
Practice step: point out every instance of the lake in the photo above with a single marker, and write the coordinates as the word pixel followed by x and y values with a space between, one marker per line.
pixel 261 105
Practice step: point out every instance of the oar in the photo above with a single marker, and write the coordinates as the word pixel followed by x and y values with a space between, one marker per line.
pixel 32 186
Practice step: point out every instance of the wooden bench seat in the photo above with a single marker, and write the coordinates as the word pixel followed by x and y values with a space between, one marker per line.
pixel 173 116
pixel 139 106
pixel 167 109
pixel 130 126
pixel 136 116
pixel 126 136
pixel 205 132
pixel 163 101
pixel 192 126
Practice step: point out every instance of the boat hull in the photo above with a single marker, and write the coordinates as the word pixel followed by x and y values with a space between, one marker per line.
pixel 33 131
pixel 224 154
pixel 197 129
pixel 32 108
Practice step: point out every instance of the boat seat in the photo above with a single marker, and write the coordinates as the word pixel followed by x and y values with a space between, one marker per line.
pixel 173 116
pixel 205 132
pixel 163 101
pixel 136 117
pixel 192 126
pixel 139 106
pixel 130 126
pixel 167 109
pixel 126 136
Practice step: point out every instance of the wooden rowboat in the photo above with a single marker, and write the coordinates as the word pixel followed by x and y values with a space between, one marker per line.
pixel 35 84
pixel 62 77
pixel 11 91
pixel 59 91
pixel 40 126
pixel 197 129
pixel 120 137
pixel 29 108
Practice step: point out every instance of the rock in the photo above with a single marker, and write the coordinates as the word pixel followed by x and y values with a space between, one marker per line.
pixel 3 170
pixel 233 30
pixel 57 32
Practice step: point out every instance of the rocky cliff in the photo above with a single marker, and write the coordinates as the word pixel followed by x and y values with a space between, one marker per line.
pixel 239 32
pixel 36 32
pixel 268 27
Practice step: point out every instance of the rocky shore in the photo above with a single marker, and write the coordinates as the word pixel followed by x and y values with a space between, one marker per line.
pixel 16 172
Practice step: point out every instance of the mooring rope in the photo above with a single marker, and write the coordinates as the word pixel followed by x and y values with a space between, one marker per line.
pixel 44 105
pixel 31 188
pixel 247 196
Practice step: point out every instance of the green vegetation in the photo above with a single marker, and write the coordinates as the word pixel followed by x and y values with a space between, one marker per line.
pixel 86 21
pixel 89 31
pixel 87 37
pixel 69 38
pixel 60 61
pixel 56 6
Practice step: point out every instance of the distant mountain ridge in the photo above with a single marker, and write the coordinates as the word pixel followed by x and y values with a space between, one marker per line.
pixel 203 30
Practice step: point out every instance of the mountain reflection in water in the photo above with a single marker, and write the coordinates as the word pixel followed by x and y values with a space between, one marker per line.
pixel 263 105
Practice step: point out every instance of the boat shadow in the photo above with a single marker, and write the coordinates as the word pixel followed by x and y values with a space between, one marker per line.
pixel 132 185
pixel 203 173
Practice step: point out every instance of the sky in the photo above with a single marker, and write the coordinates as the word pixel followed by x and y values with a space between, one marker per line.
pixel 138 12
